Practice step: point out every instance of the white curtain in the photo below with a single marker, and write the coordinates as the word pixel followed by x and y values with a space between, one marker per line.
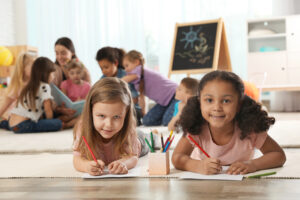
pixel 144 25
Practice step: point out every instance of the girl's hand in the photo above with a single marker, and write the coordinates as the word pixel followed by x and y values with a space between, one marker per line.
pixel 241 168
pixel 209 166
pixel 95 169
pixel 117 167
pixel 64 110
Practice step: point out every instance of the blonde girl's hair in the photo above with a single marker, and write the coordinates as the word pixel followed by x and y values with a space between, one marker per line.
pixel 132 56
pixel 74 63
pixel 107 90
pixel 17 80
pixel 40 72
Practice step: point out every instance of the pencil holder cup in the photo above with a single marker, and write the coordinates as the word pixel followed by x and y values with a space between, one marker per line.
pixel 159 163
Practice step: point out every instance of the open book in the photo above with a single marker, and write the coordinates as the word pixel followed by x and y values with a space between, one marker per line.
pixel 60 97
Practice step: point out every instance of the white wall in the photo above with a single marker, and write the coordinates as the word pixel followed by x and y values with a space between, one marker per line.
pixel 13 22
pixel 7 23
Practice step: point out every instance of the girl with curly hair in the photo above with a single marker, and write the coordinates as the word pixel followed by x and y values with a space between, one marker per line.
pixel 228 125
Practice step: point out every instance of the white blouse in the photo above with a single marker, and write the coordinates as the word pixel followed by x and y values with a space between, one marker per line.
pixel 43 94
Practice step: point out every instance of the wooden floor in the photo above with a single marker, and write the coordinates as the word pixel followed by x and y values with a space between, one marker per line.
pixel 142 188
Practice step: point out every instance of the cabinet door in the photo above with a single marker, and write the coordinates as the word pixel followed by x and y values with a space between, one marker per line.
pixel 293 76
pixel 293 33
pixel 273 63
pixel 293 59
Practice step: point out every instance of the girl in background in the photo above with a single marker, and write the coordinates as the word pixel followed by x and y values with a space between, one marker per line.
pixel 153 85
pixel 110 62
pixel 74 87
pixel 35 98
pixel 109 128
pixel 228 125
pixel 19 79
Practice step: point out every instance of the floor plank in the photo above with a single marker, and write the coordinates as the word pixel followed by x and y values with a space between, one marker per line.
pixel 141 188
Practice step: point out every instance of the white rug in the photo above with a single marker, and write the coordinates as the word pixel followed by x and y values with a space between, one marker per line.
pixel 285 132
pixel 36 142
pixel 61 165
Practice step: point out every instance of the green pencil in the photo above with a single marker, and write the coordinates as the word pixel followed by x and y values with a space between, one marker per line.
pixel 260 175
pixel 152 141
pixel 151 149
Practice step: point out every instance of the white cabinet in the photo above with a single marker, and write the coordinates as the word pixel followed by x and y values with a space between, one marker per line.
pixel 274 48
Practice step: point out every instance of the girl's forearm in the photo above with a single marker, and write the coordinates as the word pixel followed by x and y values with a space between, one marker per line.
pixel 79 164
pixel 269 160
pixel 185 163
pixel 130 162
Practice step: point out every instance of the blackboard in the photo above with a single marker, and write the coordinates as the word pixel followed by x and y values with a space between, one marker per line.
pixel 196 47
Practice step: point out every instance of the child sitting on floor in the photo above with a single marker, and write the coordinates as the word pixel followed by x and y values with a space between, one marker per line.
pixel 35 98
pixel 186 89
pixel 19 79
pixel 74 87
pixel 228 125
pixel 108 124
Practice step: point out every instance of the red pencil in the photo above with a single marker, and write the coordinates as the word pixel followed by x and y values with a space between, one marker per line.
pixel 90 149
pixel 198 146
pixel 170 143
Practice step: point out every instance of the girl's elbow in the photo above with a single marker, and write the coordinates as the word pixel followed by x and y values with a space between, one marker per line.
pixel 175 160
pixel 282 158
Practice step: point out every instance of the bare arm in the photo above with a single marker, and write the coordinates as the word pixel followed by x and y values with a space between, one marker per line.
pixel 91 167
pixel 129 78
pixel 273 156
pixel 181 160
pixel 123 165
pixel 172 123
pixel 6 103
pixel 48 108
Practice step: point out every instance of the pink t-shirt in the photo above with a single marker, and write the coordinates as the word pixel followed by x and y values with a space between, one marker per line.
pixel 75 91
pixel 235 150
pixel 105 152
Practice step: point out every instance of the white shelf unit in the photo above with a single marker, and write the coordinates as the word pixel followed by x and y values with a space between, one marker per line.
pixel 274 48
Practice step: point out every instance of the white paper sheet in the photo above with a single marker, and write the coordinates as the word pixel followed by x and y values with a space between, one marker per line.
pixel 221 176
pixel 135 172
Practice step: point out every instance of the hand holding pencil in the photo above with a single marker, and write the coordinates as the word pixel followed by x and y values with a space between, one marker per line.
pixel 96 167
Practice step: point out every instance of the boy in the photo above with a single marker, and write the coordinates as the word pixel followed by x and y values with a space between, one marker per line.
pixel 187 88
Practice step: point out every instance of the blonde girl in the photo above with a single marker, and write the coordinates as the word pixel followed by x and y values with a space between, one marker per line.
pixel 19 79
pixel 109 126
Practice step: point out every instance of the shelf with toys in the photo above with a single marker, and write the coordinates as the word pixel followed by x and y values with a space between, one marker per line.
pixel 8 56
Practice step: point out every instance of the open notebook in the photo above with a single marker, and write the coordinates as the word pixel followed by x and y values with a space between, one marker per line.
pixel 60 97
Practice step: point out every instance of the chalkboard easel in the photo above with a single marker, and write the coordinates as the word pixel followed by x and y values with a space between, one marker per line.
pixel 200 47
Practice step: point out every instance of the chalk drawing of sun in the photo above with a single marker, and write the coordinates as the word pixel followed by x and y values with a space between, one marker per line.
pixel 190 37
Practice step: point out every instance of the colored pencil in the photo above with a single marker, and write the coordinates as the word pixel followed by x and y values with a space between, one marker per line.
pixel 198 146
pixel 90 149
pixel 166 142
pixel 170 143
pixel 151 149
pixel 260 175
pixel 162 141
pixel 152 141
pixel 171 134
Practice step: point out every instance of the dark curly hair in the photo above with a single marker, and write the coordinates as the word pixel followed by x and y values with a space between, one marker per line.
pixel 250 118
